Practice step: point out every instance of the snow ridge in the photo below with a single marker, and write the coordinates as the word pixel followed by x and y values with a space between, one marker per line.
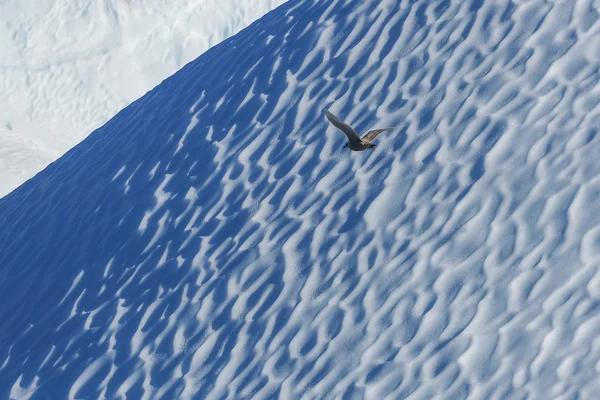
pixel 66 67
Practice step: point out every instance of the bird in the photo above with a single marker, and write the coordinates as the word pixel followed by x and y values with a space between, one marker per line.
pixel 355 142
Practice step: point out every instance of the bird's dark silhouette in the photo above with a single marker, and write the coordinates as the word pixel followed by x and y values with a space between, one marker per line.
pixel 355 142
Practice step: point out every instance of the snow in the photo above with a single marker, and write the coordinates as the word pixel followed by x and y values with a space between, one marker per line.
pixel 215 240
pixel 66 67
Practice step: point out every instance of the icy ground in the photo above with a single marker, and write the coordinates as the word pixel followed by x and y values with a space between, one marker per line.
pixel 66 67
pixel 214 240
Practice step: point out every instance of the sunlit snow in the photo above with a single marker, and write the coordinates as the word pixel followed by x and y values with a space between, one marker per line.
pixel 214 240
pixel 67 66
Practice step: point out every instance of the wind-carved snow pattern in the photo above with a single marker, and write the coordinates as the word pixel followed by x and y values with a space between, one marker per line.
pixel 214 240
pixel 66 67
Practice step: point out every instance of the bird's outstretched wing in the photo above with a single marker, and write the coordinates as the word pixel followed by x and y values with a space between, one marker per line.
pixel 344 127
pixel 369 136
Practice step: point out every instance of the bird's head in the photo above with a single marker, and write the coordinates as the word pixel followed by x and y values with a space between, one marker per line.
pixel 372 146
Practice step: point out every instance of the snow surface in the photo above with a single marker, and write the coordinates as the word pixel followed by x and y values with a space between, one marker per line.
pixel 66 67
pixel 214 240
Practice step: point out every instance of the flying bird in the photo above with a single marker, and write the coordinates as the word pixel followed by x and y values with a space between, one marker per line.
pixel 355 142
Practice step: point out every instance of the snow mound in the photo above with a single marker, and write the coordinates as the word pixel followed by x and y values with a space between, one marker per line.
pixel 214 240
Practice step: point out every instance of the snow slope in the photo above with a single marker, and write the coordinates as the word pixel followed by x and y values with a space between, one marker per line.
pixel 66 66
pixel 214 240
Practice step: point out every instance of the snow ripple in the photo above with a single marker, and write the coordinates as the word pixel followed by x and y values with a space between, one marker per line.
pixel 227 247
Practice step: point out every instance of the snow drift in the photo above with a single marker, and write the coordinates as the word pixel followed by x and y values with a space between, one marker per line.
pixel 214 240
